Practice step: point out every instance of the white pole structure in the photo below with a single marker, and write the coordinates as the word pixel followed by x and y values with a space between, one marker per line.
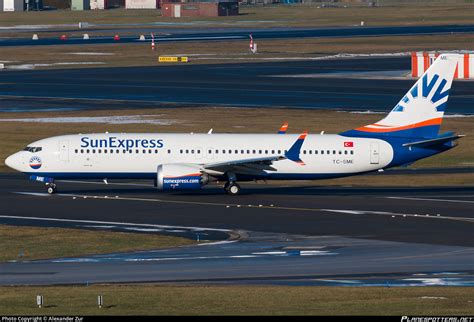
pixel 152 41
pixel 251 43
pixel 39 301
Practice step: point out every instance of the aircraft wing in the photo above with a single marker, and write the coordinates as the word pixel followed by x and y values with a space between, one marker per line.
pixel 258 165
pixel 245 165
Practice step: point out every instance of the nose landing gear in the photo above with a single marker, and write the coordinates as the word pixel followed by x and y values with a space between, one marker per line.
pixel 51 188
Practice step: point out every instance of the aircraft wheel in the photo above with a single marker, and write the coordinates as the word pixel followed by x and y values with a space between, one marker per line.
pixel 52 189
pixel 233 188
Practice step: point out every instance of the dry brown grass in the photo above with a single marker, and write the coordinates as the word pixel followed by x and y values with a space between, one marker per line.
pixel 228 51
pixel 295 15
pixel 29 243
pixel 238 300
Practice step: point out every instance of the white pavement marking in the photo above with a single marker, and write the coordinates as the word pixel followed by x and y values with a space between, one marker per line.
pixel 392 214
pixel 37 194
pixel 429 199
pixel 115 223
pixel 343 211
pixel 222 242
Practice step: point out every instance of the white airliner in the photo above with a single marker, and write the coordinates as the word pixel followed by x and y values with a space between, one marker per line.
pixel 189 161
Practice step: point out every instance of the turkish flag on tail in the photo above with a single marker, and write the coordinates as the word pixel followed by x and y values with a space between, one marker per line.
pixel 349 144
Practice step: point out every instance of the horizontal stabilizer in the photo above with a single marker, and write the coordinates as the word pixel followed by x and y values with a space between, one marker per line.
pixel 433 142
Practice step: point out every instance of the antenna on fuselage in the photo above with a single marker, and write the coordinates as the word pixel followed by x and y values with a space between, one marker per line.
pixel 210 131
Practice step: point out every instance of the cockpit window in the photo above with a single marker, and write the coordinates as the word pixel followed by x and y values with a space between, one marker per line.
pixel 32 149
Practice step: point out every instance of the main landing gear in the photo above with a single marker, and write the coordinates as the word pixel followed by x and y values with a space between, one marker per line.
pixel 231 187
pixel 52 188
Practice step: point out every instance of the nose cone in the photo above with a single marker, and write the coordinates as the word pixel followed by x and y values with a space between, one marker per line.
pixel 9 161
pixel 13 161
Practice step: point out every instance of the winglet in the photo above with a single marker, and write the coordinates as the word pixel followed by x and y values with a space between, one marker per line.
pixel 293 153
pixel 283 128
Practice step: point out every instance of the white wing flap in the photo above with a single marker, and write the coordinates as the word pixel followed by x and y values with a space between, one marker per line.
pixel 245 165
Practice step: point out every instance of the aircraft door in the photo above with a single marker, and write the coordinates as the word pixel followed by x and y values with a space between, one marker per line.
pixel 64 151
pixel 374 153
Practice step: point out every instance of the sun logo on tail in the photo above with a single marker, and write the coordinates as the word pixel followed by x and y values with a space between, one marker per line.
pixel 435 97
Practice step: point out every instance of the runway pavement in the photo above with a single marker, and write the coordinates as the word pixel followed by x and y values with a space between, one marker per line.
pixel 288 234
pixel 263 84
pixel 212 34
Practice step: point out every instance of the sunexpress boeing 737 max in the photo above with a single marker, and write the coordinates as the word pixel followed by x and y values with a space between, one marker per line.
pixel 189 161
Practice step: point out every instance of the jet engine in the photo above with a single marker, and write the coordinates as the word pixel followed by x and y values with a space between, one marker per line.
pixel 180 177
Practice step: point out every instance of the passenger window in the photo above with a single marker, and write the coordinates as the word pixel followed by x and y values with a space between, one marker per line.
pixel 310 151
pixel 242 151
pixel 75 151
pixel 187 151
pixel 99 151
pixel 236 151
pixel 315 151
pixel 169 151
pixel 210 151
pixel 259 151
pixel 304 151
pixel 82 151
pixel 254 151
pixel 279 151
pixel 340 152
pixel 352 152
pixel 322 151
pixel 345 151
pixel 223 151
pixel 230 151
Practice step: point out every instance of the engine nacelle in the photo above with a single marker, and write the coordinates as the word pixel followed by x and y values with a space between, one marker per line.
pixel 180 177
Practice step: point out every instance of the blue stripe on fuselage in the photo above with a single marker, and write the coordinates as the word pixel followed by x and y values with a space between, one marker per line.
pixel 152 175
